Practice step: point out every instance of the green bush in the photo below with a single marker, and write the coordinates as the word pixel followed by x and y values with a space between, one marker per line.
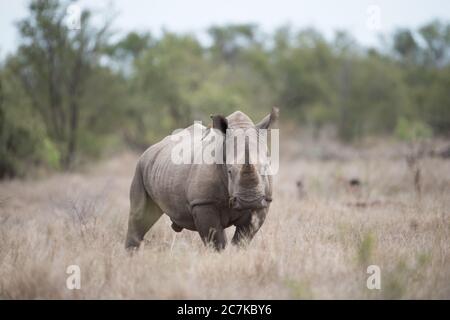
pixel 412 130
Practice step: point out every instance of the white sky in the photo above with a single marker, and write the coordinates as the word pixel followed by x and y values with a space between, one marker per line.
pixel 196 15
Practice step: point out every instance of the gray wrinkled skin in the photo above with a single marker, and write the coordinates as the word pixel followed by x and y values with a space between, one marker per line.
pixel 206 198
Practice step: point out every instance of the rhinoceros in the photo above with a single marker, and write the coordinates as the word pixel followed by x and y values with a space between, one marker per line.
pixel 207 198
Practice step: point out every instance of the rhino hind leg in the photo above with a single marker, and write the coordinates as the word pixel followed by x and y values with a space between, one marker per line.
pixel 144 212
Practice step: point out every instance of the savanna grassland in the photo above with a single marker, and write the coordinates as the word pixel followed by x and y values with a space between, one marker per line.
pixel 319 237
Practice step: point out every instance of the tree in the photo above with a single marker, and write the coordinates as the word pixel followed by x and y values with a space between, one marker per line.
pixel 406 46
pixel 165 74
pixel 54 64
pixel 437 38
pixel 229 40
pixel 23 142
pixel 128 49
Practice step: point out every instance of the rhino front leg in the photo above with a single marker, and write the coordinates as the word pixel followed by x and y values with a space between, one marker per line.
pixel 247 227
pixel 207 223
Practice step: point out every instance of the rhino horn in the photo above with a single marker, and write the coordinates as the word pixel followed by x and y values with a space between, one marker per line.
pixel 248 171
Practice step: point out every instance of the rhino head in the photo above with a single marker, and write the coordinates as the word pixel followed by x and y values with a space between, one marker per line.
pixel 246 166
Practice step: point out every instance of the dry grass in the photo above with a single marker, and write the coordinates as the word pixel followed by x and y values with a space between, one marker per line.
pixel 314 246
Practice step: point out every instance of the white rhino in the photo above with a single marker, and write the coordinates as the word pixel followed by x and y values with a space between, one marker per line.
pixel 206 198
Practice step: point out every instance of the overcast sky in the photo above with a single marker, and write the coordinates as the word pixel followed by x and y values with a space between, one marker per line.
pixel 355 16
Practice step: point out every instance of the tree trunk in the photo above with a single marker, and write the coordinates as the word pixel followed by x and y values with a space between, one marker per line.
pixel 72 137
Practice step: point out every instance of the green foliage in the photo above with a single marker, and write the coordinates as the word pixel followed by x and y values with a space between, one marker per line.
pixel 50 153
pixel 21 133
pixel 412 130
pixel 71 94
pixel 54 65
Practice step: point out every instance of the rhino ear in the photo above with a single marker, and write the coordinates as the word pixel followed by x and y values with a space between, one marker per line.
pixel 220 123
pixel 269 120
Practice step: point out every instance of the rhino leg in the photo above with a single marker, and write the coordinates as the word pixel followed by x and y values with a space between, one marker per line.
pixel 143 212
pixel 207 223
pixel 248 226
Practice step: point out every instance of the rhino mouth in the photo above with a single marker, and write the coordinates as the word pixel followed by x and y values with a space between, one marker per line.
pixel 238 203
